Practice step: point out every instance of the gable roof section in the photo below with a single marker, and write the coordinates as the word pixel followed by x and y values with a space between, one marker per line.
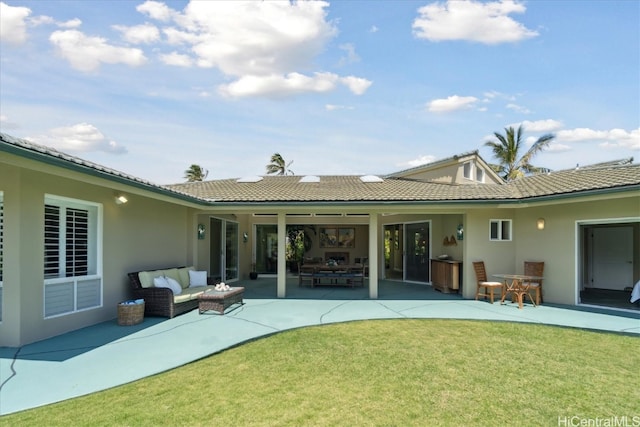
pixel 457 159
pixel 609 177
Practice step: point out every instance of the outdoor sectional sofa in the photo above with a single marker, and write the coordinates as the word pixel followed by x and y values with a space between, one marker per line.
pixel 162 301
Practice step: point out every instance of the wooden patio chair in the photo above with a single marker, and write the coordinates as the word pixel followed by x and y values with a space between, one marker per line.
pixel 485 288
pixel 306 274
pixel 535 268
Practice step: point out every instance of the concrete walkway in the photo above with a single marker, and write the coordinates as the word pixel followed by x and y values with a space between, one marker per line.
pixel 107 355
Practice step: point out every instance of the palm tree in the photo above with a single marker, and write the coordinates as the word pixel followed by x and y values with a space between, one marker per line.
pixel 507 150
pixel 279 166
pixel 195 173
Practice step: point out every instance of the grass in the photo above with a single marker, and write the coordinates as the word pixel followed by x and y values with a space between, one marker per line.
pixel 380 373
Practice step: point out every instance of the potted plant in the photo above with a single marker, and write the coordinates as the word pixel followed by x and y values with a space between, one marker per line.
pixel 253 275
pixel 295 249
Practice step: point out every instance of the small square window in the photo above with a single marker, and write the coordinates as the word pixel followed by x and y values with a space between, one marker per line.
pixel 500 229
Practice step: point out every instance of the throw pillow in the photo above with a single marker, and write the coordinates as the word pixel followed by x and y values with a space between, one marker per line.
pixel 174 285
pixel 167 282
pixel 197 278
pixel 160 282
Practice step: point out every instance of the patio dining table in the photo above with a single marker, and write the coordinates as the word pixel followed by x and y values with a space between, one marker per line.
pixel 518 285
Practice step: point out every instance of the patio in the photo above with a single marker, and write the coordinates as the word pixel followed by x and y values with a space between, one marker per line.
pixel 107 355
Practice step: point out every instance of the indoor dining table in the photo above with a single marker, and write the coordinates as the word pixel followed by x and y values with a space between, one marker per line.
pixel 518 285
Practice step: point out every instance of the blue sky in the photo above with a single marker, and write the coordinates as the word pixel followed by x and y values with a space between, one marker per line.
pixel 350 87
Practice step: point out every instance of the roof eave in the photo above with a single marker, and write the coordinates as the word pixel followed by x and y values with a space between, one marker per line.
pixel 87 170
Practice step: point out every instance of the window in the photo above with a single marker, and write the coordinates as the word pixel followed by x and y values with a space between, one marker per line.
pixel 72 270
pixel 466 169
pixel 500 229
pixel 479 174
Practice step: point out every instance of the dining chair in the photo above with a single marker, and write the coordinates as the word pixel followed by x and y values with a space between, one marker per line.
pixel 306 274
pixel 535 268
pixel 484 287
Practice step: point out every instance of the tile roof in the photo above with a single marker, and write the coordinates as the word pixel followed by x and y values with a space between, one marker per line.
pixel 580 180
pixel 607 177
pixel 351 188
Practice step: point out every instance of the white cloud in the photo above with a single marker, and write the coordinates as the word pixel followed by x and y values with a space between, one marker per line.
pixel 139 34
pixel 452 103
pixel 257 38
pixel 178 37
pixel 41 20
pixel 421 160
pixel 267 48
pixel 276 85
pixel 81 137
pixel 13 26
pixel 373 29
pixel 87 53
pixel 548 125
pixel 333 107
pixel 618 138
pixel 518 108
pixel 177 59
pixel 72 23
pixel 487 23
pixel 554 147
pixel 156 10
pixel 356 85
pixel 351 57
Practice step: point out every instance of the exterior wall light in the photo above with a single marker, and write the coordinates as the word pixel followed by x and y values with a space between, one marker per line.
pixel 540 223
pixel 121 199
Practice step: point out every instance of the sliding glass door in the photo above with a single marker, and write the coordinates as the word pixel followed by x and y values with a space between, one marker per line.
pixel 223 249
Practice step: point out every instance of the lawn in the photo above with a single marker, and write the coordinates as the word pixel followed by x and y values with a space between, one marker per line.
pixel 382 373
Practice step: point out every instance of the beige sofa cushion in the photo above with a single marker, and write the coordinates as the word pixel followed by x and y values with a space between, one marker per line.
pixel 146 277
pixel 191 293
pixel 183 273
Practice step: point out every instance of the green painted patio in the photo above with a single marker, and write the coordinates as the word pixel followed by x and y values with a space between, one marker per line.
pixel 107 355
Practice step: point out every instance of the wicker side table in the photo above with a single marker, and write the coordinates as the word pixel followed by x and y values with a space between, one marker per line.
pixel 130 314
pixel 220 300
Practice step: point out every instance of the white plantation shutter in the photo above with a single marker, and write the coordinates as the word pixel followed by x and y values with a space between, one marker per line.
pixel 77 243
pixel 71 264
pixel 51 241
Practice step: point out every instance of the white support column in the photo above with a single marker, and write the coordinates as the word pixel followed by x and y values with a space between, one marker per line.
pixel 282 255
pixel 373 256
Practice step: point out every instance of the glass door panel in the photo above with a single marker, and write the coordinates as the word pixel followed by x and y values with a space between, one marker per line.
pixel 417 254
pixel 231 251
pixel 215 248
pixel 266 249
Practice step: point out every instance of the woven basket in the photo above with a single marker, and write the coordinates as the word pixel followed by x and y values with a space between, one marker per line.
pixel 130 314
